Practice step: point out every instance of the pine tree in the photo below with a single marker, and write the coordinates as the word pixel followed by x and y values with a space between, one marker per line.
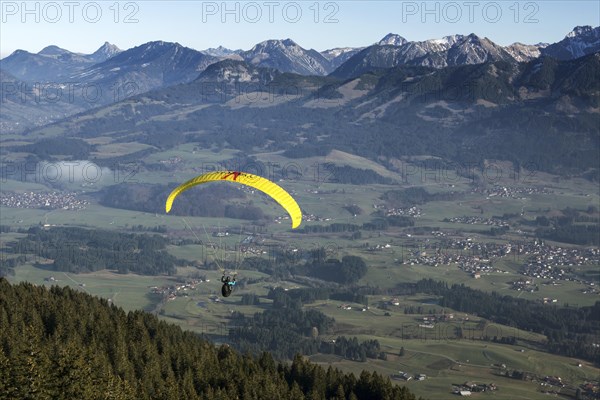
pixel 33 372
pixel 5 379
pixel 340 394
pixel 72 373
pixel 187 390
pixel 296 393
pixel 362 355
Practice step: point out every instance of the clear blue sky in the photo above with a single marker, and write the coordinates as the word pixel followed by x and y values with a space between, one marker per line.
pixel 83 26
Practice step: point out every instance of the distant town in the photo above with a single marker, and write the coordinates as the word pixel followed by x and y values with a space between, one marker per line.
pixel 43 200
pixel 542 261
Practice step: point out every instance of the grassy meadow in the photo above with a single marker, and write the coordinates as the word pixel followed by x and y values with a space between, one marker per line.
pixel 444 358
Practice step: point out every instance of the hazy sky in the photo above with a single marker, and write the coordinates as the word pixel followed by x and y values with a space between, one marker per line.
pixel 83 26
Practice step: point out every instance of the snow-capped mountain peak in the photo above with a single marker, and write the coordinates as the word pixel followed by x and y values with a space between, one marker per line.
pixel 272 44
pixel 523 52
pixel 436 53
pixel 582 40
pixel 338 51
pixel 447 41
pixel 581 30
pixel 392 39
pixel 287 56
pixel 340 55
pixel 106 51
pixel 220 52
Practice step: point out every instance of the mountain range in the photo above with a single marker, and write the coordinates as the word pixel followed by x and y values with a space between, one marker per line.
pixel 53 63
pixel 451 90
pixel 581 41
pixel 542 113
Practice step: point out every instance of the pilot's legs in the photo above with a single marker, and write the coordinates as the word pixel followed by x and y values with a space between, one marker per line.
pixel 226 290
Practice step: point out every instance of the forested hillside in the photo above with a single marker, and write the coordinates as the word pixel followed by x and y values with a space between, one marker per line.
pixel 62 344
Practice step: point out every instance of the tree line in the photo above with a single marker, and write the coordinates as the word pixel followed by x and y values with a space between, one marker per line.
pixel 74 249
pixel 46 148
pixel 354 176
pixel 570 331
pixel 348 270
pixel 287 329
pixel 570 227
pixel 315 263
pixel 352 349
pixel 282 331
pixel 416 195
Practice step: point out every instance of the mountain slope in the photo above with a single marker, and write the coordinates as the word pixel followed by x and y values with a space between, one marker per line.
pixel 582 40
pixel 232 72
pixel 53 64
pixel 339 55
pixel 437 53
pixel 287 56
pixel 150 65
pixel 26 105
pixel 71 83
pixel 523 52
pixel 218 82
pixel 393 50
pixel 61 343
pixel 56 83
pixel 105 52
pixel 392 39
pixel 522 112
pixel 221 52
pixel 50 65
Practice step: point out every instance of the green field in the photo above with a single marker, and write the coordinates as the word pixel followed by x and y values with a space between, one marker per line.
pixel 128 291
pixel 445 359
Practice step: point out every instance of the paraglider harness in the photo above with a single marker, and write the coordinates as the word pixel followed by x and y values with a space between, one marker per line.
pixel 228 284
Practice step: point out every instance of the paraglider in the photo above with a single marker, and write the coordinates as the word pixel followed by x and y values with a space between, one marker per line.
pixel 273 190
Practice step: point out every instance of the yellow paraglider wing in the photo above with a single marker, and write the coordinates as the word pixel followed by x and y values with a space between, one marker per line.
pixel 276 192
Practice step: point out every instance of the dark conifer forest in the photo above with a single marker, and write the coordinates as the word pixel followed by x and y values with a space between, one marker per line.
pixel 59 343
